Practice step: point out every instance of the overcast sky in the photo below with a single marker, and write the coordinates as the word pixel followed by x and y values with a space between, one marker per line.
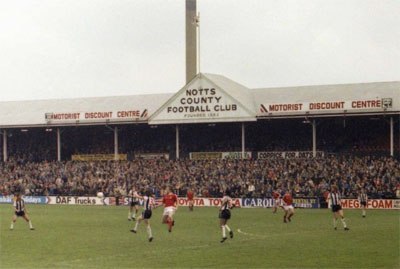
pixel 81 48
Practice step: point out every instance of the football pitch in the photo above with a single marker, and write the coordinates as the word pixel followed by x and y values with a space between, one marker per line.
pixel 99 237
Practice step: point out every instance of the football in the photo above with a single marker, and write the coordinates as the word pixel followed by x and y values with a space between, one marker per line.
pixel 100 195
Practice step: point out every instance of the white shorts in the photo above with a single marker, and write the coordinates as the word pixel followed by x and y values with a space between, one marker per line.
pixel 288 207
pixel 169 211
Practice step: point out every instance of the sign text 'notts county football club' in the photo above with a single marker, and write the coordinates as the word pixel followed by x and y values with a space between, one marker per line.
pixel 201 103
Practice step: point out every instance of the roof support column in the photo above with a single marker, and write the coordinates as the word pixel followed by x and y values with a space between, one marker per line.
pixel 5 156
pixel 391 137
pixel 314 138
pixel 243 141
pixel 116 158
pixel 58 145
pixel 177 141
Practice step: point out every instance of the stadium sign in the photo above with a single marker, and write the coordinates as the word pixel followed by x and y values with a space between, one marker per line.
pixel 208 202
pixel 182 201
pixel 372 204
pixel 328 106
pixel 219 155
pixel 269 202
pixel 98 157
pixel 258 202
pixel 9 199
pixel 288 154
pixel 106 115
pixel 205 155
pixel 77 200
pixel 236 155
pixel 203 100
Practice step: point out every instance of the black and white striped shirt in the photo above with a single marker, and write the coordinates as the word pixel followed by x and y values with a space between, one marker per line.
pixel 334 198
pixel 149 203
pixel 133 196
pixel 226 202
pixel 19 205
pixel 363 197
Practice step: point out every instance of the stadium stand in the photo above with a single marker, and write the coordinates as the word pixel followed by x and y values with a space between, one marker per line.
pixel 45 146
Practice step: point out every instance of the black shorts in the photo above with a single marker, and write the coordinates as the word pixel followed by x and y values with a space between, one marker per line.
pixel 363 203
pixel 20 213
pixel 336 208
pixel 146 214
pixel 225 214
pixel 134 203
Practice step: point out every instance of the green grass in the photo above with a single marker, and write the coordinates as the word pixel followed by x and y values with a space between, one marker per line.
pixel 99 237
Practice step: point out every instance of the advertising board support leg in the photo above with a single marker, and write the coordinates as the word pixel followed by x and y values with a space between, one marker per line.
pixel 391 137
pixel 243 140
pixel 58 145
pixel 116 143
pixel 314 139
pixel 177 142
pixel 5 157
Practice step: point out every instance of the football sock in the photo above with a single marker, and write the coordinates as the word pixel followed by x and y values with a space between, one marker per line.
pixel 334 222
pixel 344 223
pixel 227 227
pixel 223 231
pixel 136 225
pixel 12 225
pixel 363 212
pixel 30 225
pixel 149 231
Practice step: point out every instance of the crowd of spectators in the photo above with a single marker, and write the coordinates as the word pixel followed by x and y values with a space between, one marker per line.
pixel 307 177
pixel 32 164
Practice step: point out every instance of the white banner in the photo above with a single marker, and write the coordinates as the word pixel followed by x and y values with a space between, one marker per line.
pixel 208 202
pixel 77 200
pixel 288 154
pixel 236 155
pixel 219 155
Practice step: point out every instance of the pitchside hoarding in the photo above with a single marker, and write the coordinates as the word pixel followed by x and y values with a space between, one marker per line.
pixel 201 202
pixel 372 204
pixel 269 202
pixel 9 199
pixel 77 200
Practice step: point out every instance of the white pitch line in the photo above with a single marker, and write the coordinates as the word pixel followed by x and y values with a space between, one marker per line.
pixel 253 235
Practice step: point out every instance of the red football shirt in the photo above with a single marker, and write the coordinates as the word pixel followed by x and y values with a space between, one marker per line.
pixel 276 195
pixel 287 198
pixel 190 195
pixel 170 200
